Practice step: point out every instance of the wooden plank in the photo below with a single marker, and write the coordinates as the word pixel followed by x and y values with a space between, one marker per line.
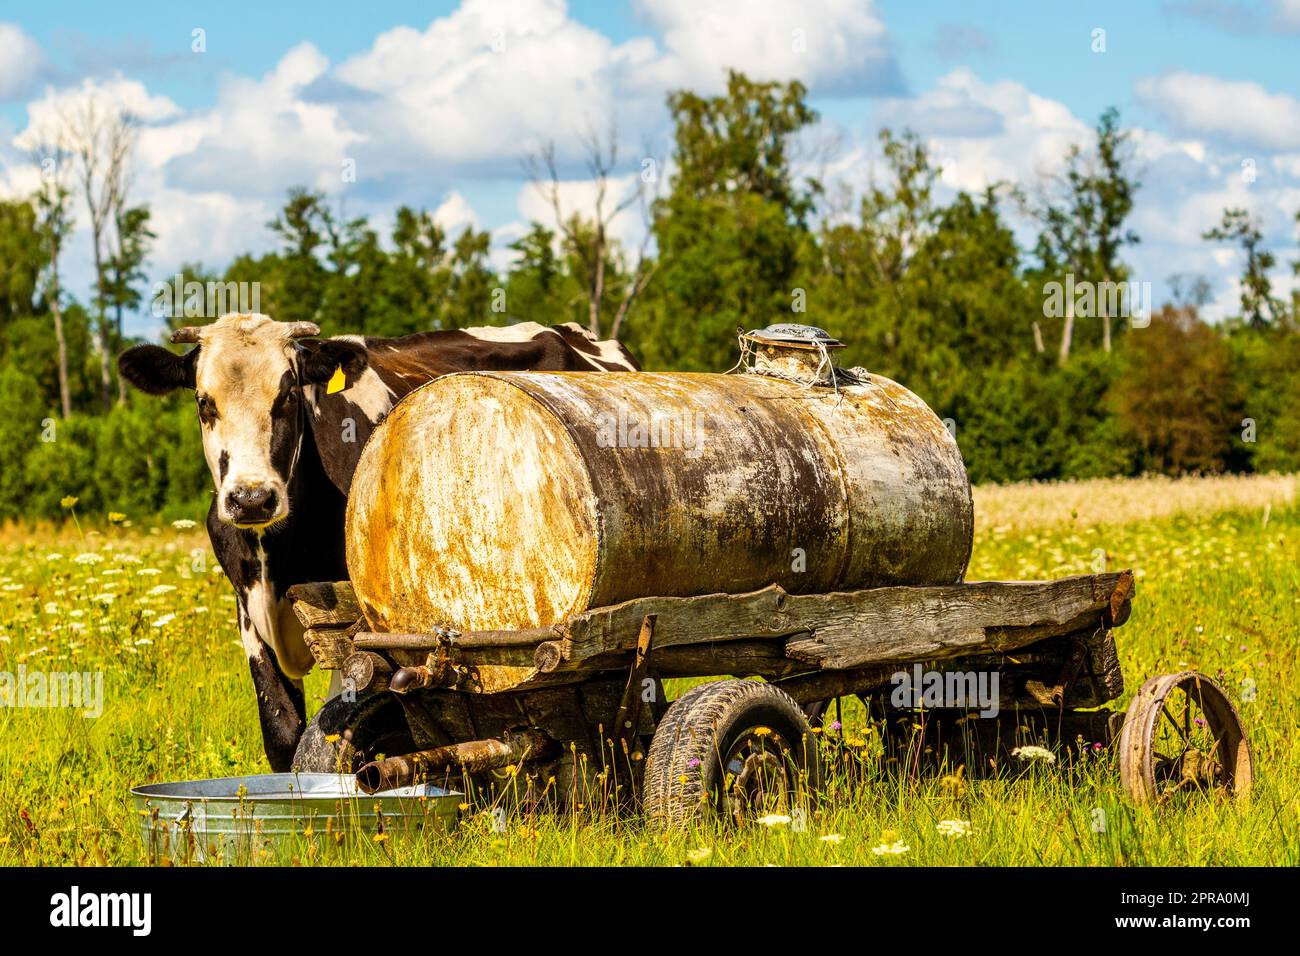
pixel 325 604
pixel 330 645
pixel 853 629
pixel 1018 674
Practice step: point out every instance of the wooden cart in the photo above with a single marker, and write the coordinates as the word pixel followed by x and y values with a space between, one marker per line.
pixel 582 704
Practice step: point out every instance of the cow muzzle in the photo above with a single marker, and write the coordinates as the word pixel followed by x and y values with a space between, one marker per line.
pixel 253 505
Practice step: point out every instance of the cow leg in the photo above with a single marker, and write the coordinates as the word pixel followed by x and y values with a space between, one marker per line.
pixel 281 705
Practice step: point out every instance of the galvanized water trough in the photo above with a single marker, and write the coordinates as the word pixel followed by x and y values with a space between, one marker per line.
pixel 232 819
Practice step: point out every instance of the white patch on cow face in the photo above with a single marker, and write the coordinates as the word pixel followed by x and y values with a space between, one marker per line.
pixel 239 378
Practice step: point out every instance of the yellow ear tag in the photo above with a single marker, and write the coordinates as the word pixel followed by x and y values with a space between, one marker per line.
pixel 337 382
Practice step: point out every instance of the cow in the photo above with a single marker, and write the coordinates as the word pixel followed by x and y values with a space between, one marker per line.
pixel 284 415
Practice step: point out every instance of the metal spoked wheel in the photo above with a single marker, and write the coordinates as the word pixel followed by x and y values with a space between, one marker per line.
pixel 1183 736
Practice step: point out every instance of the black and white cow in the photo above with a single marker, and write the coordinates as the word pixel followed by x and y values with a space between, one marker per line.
pixel 282 448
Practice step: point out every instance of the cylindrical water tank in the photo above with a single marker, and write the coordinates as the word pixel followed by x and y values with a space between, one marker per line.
pixel 507 500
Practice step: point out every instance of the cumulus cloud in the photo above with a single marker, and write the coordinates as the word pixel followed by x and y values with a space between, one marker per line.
pixel 832 46
pixel 580 196
pixel 986 132
pixel 1239 112
pixel 21 62
pixel 454 214
pixel 263 135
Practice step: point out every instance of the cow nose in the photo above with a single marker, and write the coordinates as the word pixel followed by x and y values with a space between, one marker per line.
pixel 251 504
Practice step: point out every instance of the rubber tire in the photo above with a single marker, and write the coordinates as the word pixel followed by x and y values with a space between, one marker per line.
pixel 359 728
pixel 699 728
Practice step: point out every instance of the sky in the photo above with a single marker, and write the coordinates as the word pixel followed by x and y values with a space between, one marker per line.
pixel 438 104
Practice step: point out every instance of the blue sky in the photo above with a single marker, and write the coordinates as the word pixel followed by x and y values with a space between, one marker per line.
pixel 437 103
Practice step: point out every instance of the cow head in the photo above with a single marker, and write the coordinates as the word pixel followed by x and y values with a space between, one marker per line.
pixel 247 373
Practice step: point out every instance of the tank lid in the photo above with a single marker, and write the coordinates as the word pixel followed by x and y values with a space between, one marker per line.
pixel 795 336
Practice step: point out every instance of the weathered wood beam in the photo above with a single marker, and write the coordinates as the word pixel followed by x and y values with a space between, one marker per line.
pixel 330 645
pixel 853 629
pixel 1020 674
pixel 325 604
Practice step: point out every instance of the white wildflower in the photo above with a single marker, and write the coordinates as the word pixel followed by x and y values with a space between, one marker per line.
pixel 954 828
pixel 1034 754
pixel 774 820
pixel 891 849
pixel 182 524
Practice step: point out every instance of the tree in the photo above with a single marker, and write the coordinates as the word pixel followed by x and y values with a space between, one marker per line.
pixel 471 282
pixel 53 204
pixel 304 225
pixel 1083 219
pixel 125 266
pixel 589 241
pixel 1258 306
pixel 1175 399
pixel 731 230
pixel 100 137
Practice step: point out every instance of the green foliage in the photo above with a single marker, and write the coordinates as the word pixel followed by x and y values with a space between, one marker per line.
pixel 732 228
pixel 928 288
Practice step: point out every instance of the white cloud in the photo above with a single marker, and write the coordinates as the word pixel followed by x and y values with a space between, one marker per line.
pixel 263 136
pixel 480 87
pixel 579 196
pixel 833 46
pixel 1238 112
pixel 455 214
pixel 47 114
pixel 983 133
pixel 21 61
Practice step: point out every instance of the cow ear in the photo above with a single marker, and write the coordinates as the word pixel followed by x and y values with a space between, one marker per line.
pixel 156 370
pixel 319 359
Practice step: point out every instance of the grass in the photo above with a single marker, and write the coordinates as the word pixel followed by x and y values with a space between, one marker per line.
pixel 1218 566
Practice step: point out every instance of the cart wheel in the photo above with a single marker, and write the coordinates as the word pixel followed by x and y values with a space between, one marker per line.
pixel 742 747
pixel 346 733
pixel 1183 735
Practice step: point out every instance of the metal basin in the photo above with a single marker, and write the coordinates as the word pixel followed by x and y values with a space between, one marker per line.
pixel 239 820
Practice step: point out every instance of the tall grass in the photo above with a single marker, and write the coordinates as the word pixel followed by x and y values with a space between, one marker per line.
pixel 1219 589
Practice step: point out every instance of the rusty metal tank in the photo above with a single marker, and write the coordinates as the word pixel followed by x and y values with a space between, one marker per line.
pixel 508 500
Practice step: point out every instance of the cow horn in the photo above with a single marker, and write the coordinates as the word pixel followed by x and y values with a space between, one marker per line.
pixel 189 333
pixel 303 330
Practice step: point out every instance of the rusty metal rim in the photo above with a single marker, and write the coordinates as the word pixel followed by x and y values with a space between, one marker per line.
pixel 1137 761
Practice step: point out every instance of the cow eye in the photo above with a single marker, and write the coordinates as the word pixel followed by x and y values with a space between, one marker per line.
pixel 207 408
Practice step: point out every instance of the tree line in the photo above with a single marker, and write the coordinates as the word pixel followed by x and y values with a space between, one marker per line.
pixel 1048 360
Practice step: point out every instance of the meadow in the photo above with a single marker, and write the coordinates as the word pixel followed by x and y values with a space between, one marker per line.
pixel 1217 562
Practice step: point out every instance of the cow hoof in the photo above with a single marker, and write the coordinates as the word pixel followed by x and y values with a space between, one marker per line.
pixel 344 734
